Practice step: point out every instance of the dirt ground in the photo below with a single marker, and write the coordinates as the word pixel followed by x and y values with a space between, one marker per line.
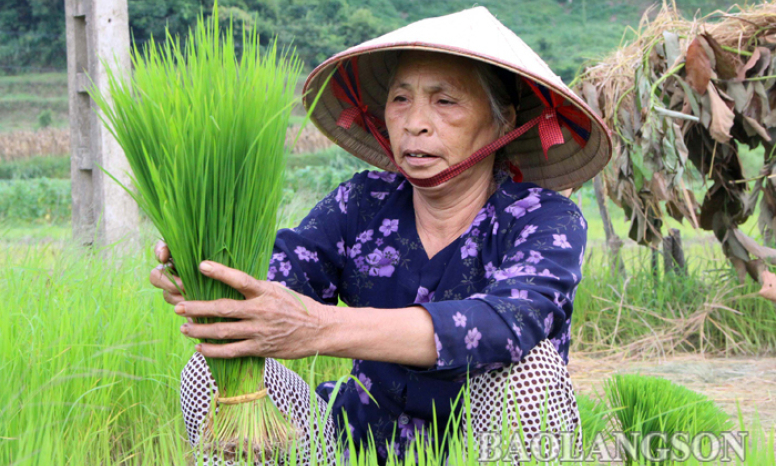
pixel 750 381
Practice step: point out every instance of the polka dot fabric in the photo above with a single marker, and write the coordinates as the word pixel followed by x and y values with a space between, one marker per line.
pixel 197 389
pixel 539 386
pixel 290 394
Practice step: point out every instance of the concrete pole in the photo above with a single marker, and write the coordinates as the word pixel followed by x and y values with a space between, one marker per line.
pixel 103 213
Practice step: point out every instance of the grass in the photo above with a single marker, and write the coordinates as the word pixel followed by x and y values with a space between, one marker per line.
pixel 16 233
pixel 23 97
pixel 653 314
pixel 38 200
pixel 36 167
pixel 58 80
pixel 203 130
pixel 653 404
pixel 91 356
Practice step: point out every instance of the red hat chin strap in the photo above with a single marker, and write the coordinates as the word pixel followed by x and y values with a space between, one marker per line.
pixel 347 88
pixel 544 120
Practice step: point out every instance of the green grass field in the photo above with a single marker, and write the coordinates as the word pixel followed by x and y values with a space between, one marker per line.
pixel 24 97
pixel 92 354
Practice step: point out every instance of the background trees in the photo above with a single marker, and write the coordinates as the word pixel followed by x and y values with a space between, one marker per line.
pixel 32 32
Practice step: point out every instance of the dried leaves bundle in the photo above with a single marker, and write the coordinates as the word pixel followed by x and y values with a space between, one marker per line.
pixel 680 99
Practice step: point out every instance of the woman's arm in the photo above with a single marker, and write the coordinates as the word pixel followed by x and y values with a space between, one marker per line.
pixel 276 322
pixel 402 336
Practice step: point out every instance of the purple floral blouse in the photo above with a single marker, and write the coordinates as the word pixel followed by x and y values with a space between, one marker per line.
pixel 505 284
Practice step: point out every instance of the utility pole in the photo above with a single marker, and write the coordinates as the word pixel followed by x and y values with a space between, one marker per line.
pixel 103 213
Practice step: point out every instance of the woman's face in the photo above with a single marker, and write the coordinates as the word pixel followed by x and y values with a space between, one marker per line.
pixel 437 113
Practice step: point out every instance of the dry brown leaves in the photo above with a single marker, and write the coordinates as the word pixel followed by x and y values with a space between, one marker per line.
pixel 721 116
pixel 698 66
pixel 691 91
pixel 311 140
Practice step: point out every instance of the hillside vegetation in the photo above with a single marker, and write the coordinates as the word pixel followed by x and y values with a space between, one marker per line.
pixel 564 32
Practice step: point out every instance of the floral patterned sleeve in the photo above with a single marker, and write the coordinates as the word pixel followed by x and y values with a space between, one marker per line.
pixel 309 258
pixel 529 294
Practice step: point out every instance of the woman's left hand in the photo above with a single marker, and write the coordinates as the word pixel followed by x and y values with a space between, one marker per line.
pixel 273 320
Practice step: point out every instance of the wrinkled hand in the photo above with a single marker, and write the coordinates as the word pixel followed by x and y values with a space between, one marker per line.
pixel 273 321
pixel 769 285
pixel 162 278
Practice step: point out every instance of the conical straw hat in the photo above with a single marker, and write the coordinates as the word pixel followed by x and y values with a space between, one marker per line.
pixel 586 144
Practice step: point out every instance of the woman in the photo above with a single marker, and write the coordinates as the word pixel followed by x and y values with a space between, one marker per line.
pixel 449 266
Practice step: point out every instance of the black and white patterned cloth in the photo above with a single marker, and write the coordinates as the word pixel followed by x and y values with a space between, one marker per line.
pixel 290 394
pixel 538 387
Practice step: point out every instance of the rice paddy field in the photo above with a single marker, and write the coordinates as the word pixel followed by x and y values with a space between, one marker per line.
pixel 91 354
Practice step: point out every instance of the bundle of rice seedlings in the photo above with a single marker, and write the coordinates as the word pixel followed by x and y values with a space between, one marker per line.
pixel 653 404
pixel 594 417
pixel 204 131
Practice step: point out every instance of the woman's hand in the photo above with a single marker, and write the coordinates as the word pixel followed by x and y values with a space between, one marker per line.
pixel 273 321
pixel 768 289
pixel 161 276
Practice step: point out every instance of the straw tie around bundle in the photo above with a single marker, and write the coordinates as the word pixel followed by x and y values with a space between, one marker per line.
pixel 235 400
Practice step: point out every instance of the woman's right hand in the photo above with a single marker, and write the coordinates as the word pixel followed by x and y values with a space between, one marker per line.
pixel 161 275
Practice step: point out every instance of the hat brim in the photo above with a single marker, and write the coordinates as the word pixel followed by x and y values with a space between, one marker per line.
pixel 566 165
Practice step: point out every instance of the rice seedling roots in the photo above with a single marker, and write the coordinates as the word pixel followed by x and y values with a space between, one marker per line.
pixel 269 434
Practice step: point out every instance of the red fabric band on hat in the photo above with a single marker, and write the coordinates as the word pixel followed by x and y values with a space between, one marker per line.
pixel 570 116
pixel 451 172
pixel 517 174
pixel 347 88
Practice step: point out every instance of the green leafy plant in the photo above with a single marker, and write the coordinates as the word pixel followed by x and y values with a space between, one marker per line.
pixel 204 131
pixel 45 117
pixel 39 200
pixel 36 167
pixel 594 418
pixel 652 404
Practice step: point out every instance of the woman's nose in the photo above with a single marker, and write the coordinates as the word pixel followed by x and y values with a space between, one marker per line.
pixel 418 121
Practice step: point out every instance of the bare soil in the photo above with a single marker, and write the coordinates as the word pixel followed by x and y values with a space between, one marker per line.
pixel 749 381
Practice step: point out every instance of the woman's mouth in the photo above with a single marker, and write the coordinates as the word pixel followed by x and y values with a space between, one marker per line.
pixel 419 159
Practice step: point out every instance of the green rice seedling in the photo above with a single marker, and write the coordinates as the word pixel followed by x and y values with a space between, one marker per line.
pixel 761 445
pixel 594 417
pixel 204 131
pixel 644 404
pixel 91 376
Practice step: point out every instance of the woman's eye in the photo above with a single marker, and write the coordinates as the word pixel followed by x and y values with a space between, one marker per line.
pixel 400 98
pixel 445 102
